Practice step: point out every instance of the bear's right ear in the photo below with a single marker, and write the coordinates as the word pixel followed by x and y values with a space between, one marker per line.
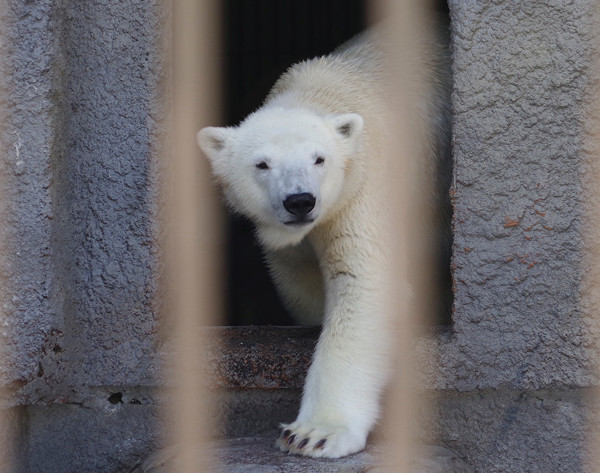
pixel 212 140
pixel 348 125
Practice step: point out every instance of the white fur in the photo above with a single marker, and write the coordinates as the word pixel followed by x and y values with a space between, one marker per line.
pixel 333 268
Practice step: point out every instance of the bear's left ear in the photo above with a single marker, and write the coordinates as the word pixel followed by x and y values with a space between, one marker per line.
pixel 348 125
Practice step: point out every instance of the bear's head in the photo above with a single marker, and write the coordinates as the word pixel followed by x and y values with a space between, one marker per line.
pixel 283 168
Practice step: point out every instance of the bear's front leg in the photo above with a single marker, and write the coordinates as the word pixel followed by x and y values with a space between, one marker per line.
pixel 340 402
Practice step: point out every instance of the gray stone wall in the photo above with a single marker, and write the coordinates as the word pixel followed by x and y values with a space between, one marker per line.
pixel 521 71
pixel 516 369
pixel 81 86
pixel 29 57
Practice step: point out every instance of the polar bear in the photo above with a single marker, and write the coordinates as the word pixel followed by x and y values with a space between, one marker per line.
pixel 309 168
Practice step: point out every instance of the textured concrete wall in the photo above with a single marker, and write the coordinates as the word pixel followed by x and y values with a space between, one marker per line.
pixel 521 348
pixel 521 70
pixel 30 62
pixel 80 87
pixel 107 192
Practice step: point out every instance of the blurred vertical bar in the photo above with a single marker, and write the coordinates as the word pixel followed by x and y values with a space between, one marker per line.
pixel 405 20
pixel 192 218
pixel 7 424
pixel 7 441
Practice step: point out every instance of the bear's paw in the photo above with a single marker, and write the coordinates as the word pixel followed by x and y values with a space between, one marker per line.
pixel 319 440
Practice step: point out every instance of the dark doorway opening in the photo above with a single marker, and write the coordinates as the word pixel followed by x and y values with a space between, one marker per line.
pixel 261 40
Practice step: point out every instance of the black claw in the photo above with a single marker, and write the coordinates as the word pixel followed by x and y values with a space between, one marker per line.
pixel 291 440
pixel 286 434
pixel 302 444
pixel 319 444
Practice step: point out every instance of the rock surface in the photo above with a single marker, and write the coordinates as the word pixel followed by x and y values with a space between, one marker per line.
pixel 258 455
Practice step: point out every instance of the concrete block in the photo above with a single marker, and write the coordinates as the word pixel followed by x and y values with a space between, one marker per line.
pixel 107 192
pixel 520 80
pixel 76 439
pixel 82 96
pixel 31 63
pixel 533 431
pixel 248 412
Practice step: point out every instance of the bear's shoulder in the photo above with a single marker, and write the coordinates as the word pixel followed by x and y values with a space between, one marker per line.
pixel 336 83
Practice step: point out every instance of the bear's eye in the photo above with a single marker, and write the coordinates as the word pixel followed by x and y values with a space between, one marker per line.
pixel 319 160
pixel 262 165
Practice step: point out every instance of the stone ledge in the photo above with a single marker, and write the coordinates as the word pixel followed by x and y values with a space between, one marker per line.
pixel 257 454
pixel 238 358
pixel 273 358
pixel 268 357
pixel 262 357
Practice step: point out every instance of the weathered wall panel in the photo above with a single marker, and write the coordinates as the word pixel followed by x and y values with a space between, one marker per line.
pixel 520 91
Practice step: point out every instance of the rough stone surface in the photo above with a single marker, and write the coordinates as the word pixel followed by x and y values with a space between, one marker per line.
pixel 522 347
pixel 520 77
pixel 107 193
pixel 261 357
pixel 76 439
pixel 81 85
pixel 30 65
pixel 247 412
pixel 500 431
pixel 79 99
pixel 257 454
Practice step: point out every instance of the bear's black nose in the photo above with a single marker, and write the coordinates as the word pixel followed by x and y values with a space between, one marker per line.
pixel 299 205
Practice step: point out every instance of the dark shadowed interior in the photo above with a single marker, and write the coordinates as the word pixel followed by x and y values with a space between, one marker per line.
pixel 261 40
